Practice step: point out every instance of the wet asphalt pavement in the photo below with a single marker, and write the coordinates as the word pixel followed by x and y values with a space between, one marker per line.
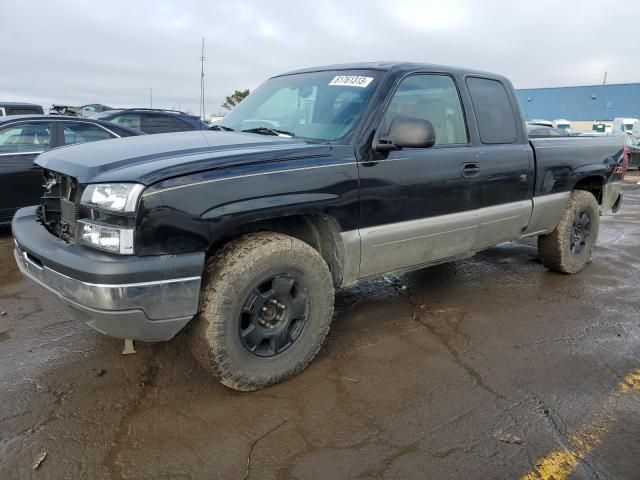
pixel 487 368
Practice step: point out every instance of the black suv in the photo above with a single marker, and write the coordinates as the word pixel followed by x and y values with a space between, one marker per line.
pixel 150 120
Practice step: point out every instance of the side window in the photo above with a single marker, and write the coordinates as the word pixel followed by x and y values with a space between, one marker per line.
pixel 434 98
pixel 26 137
pixel 131 120
pixel 121 132
pixel 178 125
pixel 83 133
pixel 157 123
pixel 494 113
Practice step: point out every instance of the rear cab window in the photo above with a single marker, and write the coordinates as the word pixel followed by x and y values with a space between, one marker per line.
pixel 495 116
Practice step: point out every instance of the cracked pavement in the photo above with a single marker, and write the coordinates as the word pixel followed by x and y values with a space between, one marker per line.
pixel 474 369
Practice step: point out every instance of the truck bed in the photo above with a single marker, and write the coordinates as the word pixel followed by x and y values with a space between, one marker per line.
pixel 559 161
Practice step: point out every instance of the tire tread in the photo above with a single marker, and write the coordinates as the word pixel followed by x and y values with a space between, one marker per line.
pixel 553 249
pixel 208 329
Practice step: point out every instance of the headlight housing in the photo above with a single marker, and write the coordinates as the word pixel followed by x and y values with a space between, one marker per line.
pixel 103 237
pixel 107 216
pixel 114 197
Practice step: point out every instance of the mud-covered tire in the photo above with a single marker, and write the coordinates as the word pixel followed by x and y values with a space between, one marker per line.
pixel 557 250
pixel 231 276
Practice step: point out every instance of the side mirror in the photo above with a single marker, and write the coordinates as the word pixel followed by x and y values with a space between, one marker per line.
pixel 409 132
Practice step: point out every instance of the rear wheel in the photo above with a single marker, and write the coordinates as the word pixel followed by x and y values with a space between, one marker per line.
pixel 266 307
pixel 569 247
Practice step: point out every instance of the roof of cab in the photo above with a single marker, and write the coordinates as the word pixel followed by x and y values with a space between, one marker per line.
pixel 394 66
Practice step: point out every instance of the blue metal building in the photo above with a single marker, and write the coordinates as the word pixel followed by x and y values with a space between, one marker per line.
pixel 591 102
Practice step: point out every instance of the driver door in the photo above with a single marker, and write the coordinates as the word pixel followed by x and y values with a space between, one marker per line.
pixel 417 204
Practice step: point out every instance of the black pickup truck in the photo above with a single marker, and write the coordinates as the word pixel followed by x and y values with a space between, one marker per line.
pixel 319 179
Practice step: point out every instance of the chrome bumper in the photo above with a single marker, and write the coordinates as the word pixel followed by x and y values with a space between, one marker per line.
pixel 148 311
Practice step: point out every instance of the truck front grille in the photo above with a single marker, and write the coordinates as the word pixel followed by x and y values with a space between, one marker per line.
pixel 59 209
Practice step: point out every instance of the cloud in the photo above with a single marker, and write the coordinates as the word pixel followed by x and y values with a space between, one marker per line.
pixel 433 15
pixel 114 52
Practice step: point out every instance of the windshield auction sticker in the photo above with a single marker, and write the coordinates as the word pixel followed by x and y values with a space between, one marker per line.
pixel 351 81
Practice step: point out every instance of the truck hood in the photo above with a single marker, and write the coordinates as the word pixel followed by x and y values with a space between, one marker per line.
pixel 151 158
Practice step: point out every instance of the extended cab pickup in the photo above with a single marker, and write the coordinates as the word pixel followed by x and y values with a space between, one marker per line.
pixel 319 179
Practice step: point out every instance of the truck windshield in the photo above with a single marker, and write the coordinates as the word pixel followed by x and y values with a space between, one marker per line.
pixel 322 106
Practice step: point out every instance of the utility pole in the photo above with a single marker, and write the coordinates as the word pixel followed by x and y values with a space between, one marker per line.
pixel 202 59
pixel 604 82
pixel 151 97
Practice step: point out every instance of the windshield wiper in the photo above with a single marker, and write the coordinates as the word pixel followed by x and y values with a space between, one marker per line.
pixel 269 131
pixel 221 128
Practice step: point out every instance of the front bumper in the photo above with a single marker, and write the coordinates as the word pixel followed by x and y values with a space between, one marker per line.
pixel 141 298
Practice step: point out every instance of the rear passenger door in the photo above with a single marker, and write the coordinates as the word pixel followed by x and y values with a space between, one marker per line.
pixel 505 163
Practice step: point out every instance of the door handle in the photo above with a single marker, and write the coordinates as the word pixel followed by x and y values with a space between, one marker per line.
pixel 471 169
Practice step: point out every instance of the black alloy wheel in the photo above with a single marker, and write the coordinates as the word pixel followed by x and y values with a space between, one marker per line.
pixel 580 233
pixel 273 316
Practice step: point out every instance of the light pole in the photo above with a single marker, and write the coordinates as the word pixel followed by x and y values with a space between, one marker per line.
pixel 202 59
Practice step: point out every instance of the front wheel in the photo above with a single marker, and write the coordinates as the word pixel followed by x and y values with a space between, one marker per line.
pixel 266 307
pixel 569 247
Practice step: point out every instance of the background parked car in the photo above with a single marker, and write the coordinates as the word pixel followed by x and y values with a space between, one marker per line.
pixel 633 147
pixel 14 108
pixel 92 109
pixel 562 124
pixel 88 111
pixel 601 127
pixel 539 121
pixel 537 131
pixel 24 137
pixel 623 125
pixel 68 110
pixel 151 121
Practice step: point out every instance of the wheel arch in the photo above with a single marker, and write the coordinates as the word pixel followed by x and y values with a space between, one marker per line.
pixel 592 183
pixel 320 231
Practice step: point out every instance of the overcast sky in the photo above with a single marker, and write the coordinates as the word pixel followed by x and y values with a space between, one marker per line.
pixel 113 51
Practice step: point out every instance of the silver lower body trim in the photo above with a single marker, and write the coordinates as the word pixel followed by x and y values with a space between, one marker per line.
pixel 397 246
pixel 162 300
pixel 547 212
